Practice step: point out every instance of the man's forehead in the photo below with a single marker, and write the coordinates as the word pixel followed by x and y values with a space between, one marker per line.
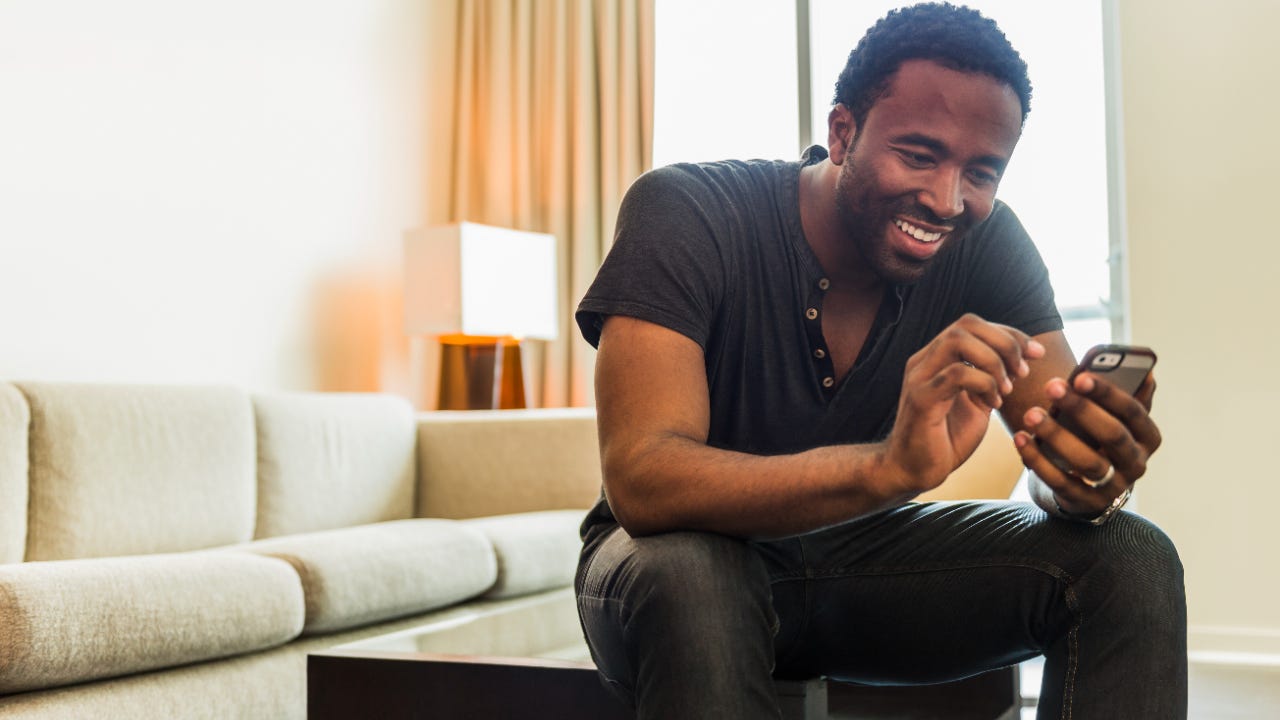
pixel 925 93
pixel 923 75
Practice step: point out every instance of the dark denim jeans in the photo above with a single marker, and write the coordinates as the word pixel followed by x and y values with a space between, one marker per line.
pixel 696 625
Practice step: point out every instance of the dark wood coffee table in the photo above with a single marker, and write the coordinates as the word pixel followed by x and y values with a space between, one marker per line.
pixel 522 659
pixel 526 660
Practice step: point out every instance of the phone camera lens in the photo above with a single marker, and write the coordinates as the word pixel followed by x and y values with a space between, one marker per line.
pixel 1107 360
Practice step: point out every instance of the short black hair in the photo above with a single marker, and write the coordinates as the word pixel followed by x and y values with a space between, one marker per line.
pixel 959 38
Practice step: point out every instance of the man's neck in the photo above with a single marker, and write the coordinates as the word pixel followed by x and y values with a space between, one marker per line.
pixel 841 260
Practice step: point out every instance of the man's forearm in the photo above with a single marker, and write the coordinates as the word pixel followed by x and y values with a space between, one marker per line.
pixel 680 483
pixel 660 474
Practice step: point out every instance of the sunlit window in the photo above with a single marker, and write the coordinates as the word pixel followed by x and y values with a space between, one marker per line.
pixel 726 87
pixel 725 80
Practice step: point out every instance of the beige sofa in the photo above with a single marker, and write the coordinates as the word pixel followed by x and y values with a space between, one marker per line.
pixel 174 552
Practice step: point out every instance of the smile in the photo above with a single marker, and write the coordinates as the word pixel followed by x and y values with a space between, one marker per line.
pixel 919 233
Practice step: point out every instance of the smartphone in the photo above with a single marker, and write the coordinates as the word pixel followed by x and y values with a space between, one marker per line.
pixel 1124 366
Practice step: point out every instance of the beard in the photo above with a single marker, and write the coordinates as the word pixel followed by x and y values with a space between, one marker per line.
pixel 867 217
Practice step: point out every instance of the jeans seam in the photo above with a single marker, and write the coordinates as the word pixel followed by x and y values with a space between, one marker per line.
pixel 619 607
pixel 801 576
pixel 1053 571
pixel 1073 652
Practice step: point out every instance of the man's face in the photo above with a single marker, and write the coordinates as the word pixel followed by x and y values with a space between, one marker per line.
pixel 925 165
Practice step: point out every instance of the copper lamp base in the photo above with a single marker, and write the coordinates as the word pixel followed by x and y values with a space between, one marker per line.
pixel 480 373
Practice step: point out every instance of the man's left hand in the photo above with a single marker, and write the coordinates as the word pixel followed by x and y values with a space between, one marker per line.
pixel 1120 422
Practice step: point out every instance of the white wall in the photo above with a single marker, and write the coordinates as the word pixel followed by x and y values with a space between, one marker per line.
pixel 1201 150
pixel 209 190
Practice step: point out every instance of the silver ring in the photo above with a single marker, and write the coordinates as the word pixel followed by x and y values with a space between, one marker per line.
pixel 1108 477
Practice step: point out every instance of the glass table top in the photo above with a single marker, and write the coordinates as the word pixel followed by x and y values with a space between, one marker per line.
pixel 543 626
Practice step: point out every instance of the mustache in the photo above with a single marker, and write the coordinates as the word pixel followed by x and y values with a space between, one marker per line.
pixel 910 208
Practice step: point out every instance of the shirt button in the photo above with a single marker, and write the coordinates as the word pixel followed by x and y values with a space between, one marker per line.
pixel 819 353
pixel 828 382
pixel 823 284
pixel 811 313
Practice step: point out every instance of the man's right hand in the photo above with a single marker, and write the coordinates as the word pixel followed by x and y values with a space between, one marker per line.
pixel 949 389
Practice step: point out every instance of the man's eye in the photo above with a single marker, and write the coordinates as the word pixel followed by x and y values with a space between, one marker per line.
pixel 916 160
pixel 983 177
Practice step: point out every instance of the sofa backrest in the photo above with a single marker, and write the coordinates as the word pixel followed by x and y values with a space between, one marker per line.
pixel 14 417
pixel 331 460
pixel 98 470
pixel 137 469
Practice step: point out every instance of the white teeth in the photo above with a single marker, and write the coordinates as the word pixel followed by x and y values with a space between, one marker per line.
pixel 917 233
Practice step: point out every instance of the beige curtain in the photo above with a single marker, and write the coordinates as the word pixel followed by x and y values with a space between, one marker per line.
pixel 552 119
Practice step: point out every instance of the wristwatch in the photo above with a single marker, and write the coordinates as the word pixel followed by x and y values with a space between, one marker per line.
pixel 1101 518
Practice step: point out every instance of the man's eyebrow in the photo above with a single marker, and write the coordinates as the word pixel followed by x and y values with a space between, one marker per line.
pixel 924 141
pixel 931 143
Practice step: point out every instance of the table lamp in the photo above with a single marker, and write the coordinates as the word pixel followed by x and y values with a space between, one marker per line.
pixel 480 290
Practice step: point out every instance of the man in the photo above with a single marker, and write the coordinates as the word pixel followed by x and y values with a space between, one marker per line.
pixel 791 352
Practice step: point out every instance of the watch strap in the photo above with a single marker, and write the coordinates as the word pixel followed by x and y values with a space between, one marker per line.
pixel 1101 518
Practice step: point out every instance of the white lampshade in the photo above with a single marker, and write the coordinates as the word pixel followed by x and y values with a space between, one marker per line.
pixel 480 280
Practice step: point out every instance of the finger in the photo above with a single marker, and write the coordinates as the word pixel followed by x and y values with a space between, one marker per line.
pixel 981 356
pixel 1146 391
pixel 1071 494
pixel 957 346
pixel 1101 430
pixel 998 350
pixel 940 390
pixel 1124 417
pixel 1080 458
pixel 1011 346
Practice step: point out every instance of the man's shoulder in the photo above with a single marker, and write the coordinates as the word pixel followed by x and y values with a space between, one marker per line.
pixel 719 176
pixel 1002 220
pixel 999 233
pixel 719 195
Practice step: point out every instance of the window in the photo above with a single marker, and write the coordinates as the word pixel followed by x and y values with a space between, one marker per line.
pixel 724 80
pixel 726 86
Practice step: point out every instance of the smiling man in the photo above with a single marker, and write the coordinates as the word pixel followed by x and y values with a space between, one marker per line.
pixel 790 352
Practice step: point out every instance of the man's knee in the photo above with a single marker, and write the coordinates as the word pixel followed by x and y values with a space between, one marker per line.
pixel 1141 570
pixel 686 583
pixel 700 571
pixel 1143 551
pixel 699 601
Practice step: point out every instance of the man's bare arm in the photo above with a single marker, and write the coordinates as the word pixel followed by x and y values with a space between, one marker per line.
pixel 660 475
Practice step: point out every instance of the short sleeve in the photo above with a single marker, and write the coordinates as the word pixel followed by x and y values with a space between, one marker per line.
pixel 1011 285
pixel 664 266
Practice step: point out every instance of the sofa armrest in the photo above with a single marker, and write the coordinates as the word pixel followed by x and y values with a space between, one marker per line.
pixel 494 462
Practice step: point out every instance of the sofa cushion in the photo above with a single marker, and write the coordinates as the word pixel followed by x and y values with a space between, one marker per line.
pixel 535 551
pixel 129 470
pixel 73 620
pixel 332 460
pixel 267 685
pixel 354 576
pixel 272 684
pixel 14 418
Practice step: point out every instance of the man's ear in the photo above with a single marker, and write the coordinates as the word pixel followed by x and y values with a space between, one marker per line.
pixel 841 131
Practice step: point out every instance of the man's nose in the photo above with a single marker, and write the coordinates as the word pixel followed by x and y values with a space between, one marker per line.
pixel 944 196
